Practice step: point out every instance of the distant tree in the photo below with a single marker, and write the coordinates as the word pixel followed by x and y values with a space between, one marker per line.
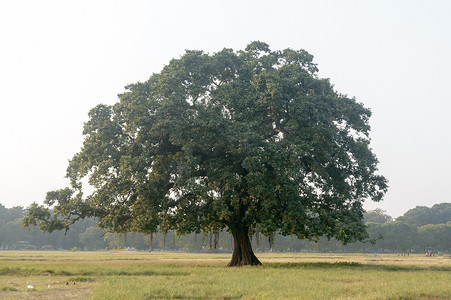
pixel 15 233
pixel 435 236
pixel 3 235
pixel 422 215
pixel 92 239
pixel 418 216
pixel 11 214
pixel 116 240
pixel 397 235
pixel 441 213
pixel 16 212
pixel 376 216
pixel 244 141
pixel 3 212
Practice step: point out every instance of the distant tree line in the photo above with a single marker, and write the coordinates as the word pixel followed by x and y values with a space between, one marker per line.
pixel 420 229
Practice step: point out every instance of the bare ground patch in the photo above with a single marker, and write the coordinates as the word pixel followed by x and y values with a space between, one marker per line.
pixel 58 291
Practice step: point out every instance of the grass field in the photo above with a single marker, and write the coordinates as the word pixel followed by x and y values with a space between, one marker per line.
pixel 142 275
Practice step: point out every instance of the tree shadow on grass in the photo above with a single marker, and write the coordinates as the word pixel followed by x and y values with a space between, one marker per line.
pixel 31 271
pixel 356 266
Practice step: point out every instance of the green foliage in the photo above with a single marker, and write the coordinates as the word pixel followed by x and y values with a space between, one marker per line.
pixel 396 233
pixel 422 215
pixel 11 232
pixel 49 219
pixel 11 214
pixel 115 240
pixel 246 141
pixel 436 236
pixel 92 239
pixel 376 216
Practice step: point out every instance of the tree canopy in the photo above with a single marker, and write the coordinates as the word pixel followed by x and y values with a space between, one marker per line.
pixel 246 141
pixel 422 215
pixel 377 216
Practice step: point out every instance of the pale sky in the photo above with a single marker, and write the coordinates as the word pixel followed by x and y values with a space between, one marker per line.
pixel 58 59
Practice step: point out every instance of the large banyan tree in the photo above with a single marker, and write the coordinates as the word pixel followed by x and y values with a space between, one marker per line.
pixel 247 141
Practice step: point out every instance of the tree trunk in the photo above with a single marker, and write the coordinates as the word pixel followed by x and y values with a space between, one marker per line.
pixel 164 240
pixel 242 250
pixel 151 242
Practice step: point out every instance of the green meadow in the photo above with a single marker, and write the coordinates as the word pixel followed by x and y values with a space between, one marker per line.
pixel 167 275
